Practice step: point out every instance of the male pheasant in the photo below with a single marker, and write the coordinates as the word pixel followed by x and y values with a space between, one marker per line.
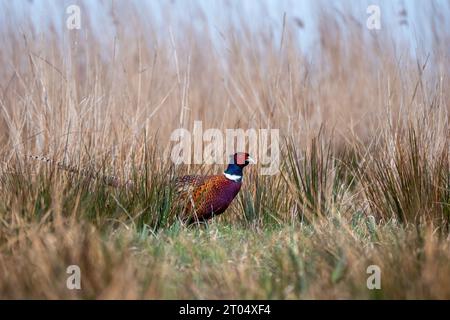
pixel 204 196
pixel 209 196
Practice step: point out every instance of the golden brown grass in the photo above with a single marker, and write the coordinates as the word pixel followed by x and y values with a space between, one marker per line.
pixel 364 178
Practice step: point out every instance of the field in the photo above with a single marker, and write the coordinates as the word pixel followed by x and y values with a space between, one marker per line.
pixel 364 172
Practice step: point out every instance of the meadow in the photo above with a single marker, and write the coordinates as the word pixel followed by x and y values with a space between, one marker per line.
pixel 364 177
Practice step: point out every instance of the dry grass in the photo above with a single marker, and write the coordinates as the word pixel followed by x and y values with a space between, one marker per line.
pixel 364 178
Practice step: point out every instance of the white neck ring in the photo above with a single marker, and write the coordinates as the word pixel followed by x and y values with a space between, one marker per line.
pixel 233 177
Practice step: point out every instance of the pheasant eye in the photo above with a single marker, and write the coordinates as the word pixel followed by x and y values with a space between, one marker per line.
pixel 240 158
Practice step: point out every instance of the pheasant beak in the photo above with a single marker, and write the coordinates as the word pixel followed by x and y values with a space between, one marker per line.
pixel 251 160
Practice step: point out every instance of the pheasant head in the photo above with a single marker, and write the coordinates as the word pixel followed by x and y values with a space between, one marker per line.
pixel 236 165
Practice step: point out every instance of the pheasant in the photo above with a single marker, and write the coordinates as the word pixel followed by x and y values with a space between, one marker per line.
pixel 204 196
pixel 209 196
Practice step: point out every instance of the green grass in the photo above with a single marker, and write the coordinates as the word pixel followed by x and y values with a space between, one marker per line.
pixel 223 261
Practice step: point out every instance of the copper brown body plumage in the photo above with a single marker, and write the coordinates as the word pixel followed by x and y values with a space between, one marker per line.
pixel 209 196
